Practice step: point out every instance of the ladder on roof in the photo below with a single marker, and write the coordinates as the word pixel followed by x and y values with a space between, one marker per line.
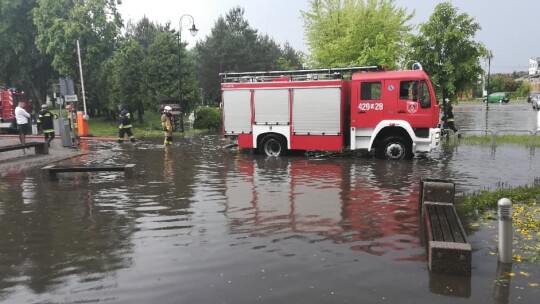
pixel 296 75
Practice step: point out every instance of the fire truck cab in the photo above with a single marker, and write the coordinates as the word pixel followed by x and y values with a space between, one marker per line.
pixel 393 113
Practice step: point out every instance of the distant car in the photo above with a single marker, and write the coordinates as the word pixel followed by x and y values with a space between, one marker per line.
pixel 535 100
pixel 499 97
pixel 529 99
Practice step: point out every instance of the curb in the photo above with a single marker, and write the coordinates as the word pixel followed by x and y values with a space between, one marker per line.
pixel 58 138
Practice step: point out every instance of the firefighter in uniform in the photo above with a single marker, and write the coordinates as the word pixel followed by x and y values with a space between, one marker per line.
pixel 125 126
pixel 167 122
pixel 45 123
pixel 450 118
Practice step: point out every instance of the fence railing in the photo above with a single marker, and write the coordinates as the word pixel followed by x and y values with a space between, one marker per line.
pixel 493 134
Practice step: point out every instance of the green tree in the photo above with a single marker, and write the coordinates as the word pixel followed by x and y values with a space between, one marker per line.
pixel 107 105
pixel 210 61
pixel 161 70
pixel 168 66
pixel 503 83
pixel 190 84
pixel 496 84
pixel 126 77
pixel 356 32
pixel 446 48
pixel 234 46
pixel 21 65
pixel 290 59
pixel 523 90
pixel 145 31
pixel 267 53
pixel 95 23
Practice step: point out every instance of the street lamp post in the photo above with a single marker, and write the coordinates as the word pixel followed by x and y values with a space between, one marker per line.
pixel 489 55
pixel 488 75
pixel 186 20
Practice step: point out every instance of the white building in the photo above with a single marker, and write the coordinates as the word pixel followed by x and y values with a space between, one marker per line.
pixel 534 67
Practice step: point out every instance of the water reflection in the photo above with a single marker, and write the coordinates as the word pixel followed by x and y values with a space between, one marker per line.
pixel 450 285
pixel 369 205
pixel 501 290
pixel 537 120
pixel 168 173
pixel 513 115
pixel 52 232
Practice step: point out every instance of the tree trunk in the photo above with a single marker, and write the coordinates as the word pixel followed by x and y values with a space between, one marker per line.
pixel 140 112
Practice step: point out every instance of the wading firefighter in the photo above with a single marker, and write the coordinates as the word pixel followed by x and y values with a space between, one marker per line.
pixel 125 125
pixel 46 124
pixel 167 122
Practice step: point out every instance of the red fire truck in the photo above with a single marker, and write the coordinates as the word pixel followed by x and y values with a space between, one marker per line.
pixel 8 101
pixel 394 113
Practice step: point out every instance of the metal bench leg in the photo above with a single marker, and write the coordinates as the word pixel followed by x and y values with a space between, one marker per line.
pixel 128 171
pixel 48 174
pixel 41 149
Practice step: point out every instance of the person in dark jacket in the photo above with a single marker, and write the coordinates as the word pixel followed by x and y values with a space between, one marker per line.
pixel 450 118
pixel 45 123
pixel 125 126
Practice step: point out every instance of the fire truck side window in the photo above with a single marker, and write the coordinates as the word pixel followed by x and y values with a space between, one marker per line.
pixel 408 90
pixel 425 99
pixel 370 91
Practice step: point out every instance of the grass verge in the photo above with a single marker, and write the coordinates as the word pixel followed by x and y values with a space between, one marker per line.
pixel 101 127
pixel 525 217
pixel 523 140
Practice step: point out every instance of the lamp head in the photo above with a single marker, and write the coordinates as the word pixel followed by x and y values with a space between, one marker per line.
pixel 193 30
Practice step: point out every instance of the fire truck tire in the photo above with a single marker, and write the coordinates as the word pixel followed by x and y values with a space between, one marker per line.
pixel 395 148
pixel 273 145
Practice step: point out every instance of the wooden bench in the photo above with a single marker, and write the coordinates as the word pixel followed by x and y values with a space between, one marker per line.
pixel 50 172
pixel 436 190
pixel 448 250
pixel 39 147
pixel 447 247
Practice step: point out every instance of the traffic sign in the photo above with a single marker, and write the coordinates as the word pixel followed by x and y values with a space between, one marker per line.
pixel 66 86
pixel 70 98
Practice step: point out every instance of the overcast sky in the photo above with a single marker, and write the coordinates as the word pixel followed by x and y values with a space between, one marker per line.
pixel 510 29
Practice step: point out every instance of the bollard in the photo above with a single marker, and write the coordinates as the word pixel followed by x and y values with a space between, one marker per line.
pixel 505 230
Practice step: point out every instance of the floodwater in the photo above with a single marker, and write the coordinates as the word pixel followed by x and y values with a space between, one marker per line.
pixel 199 224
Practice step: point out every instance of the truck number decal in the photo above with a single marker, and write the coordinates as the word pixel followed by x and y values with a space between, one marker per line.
pixel 370 106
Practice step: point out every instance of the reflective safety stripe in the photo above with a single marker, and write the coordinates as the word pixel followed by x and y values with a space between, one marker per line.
pixel 48 131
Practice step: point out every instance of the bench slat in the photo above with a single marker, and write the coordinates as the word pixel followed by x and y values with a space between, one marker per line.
pixel 435 224
pixel 448 236
pixel 444 224
pixel 60 169
pixel 39 147
pixel 457 233
pixel 447 249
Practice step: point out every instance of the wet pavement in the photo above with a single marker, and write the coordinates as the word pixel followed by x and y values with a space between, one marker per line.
pixel 17 160
pixel 200 224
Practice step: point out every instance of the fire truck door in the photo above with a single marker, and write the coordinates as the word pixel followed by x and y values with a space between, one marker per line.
pixel 414 103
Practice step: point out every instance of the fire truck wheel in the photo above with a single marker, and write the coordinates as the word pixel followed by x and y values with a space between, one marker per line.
pixel 272 145
pixel 395 148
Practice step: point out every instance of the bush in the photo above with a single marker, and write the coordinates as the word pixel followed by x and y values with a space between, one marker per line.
pixel 207 118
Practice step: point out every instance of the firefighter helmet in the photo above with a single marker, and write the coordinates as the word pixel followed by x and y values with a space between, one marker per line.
pixel 167 109
pixel 44 106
